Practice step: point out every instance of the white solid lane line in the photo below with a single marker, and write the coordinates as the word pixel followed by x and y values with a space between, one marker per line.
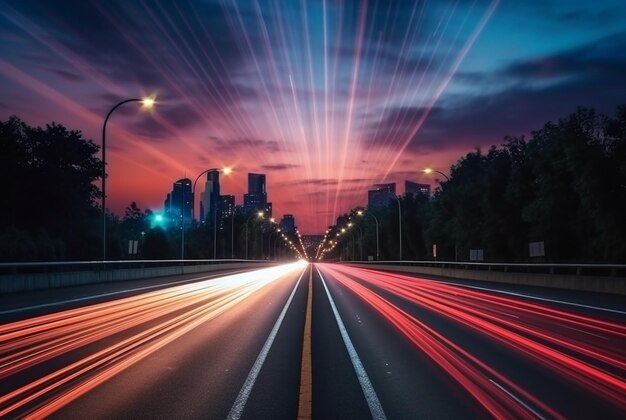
pixel 523 295
pixel 373 402
pixel 244 393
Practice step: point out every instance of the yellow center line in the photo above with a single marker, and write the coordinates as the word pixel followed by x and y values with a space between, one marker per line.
pixel 306 378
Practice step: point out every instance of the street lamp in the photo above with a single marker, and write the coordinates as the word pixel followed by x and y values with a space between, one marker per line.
pixel 225 171
pixel 269 237
pixel 360 240
pixel 260 215
pixel 182 219
pixel 146 103
pixel 399 224
pixel 232 234
pixel 361 213
pixel 429 171
pixel 353 242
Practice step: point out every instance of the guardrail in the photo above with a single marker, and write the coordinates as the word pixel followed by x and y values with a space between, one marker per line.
pixel 70 266
pixel 20 277
pixel 602 270
pixel 602 278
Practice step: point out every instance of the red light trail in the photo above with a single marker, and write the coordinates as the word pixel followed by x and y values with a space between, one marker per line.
pixel 584 350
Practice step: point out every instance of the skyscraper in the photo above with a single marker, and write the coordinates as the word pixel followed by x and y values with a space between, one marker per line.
pixel 288 223
pixel 226 209
pixel 210 198
pixel 381 194
pixel 256 198
pixel 180 201
pixel 416 188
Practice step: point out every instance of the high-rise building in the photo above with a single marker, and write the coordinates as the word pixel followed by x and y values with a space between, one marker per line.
pixel 416 188
pixel 179 202
pixel 381 194
pixel 210 198
pixel 256 183
pixel 288 223
pixel 226 209
pixel 256 198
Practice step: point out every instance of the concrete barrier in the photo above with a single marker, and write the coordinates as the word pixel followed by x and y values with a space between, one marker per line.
pixel 23 282
pixel 600 284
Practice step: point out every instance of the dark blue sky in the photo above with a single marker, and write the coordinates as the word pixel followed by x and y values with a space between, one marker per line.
pixel 325 97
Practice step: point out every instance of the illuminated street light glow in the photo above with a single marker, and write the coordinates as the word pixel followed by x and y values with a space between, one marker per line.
pixel 148 102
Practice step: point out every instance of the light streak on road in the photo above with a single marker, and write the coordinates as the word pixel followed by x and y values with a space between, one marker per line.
pixel 587 351
pixel 242 398
pixel 109 337
pixel 373 402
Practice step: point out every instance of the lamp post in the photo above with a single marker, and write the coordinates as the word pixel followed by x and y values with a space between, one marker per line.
pixel 182 219
pixel 399 225
pixel 269 240
pixel 428 171
pixel 259 214
pixel 232 234
pixel 226 171
pixel 146 103
pixel 361 213
pixel 353 244
pixel 360 241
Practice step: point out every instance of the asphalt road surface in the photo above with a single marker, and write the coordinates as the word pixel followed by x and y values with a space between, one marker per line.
pixel 383 345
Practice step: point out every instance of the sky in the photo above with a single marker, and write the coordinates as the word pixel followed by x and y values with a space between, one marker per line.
pixel 325 97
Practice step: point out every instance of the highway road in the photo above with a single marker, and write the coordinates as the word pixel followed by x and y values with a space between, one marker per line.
pixel 189 350
pixel 383 345
pixel 434 349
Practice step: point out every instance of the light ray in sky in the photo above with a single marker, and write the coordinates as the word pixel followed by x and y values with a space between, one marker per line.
pixel 325 97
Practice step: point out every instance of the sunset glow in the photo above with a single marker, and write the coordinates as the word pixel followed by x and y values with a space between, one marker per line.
pixel 326 98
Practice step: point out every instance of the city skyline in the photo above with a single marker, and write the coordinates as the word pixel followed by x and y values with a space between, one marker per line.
pixel 328 100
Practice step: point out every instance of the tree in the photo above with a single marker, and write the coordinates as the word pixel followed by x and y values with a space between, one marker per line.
pixel 53 191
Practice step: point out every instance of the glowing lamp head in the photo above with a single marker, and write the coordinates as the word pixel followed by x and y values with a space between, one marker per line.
pixel 227 171
pixel 158 218
pixel 427 170
pixel 272 220
pixel 360 212
pixel 148 102
pixel 260 214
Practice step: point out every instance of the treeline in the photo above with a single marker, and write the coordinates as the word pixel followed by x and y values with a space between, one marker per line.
pixel 50 208
pixel 564 187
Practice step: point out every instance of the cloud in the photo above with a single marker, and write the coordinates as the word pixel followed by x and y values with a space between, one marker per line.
pixel 319 182
pixel 271 146
pixel 605 58
pixel 67 75
pixel 279 167
pixel 534 92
